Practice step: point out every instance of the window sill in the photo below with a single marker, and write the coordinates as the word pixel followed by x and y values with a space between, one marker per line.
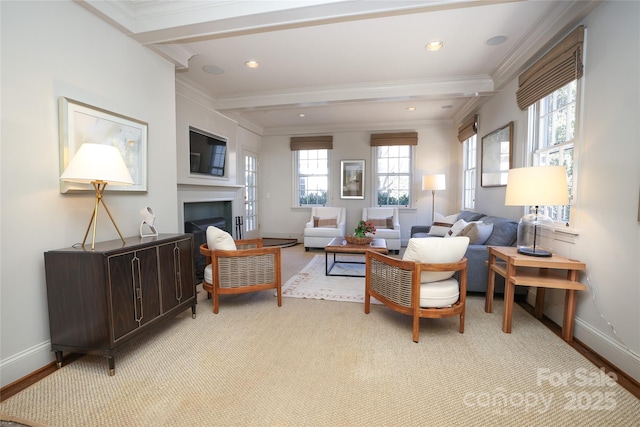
pixel 566 234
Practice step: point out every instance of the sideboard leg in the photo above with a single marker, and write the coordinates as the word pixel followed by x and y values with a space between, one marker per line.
pixel 193 311
pixel 112 365
pixel 58 359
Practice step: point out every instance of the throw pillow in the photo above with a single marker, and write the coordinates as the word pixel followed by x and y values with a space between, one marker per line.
pixel 477 232
pixel 449 219
pixel 382 223
pixel 456 228
pixel 440 229
pixel 219 239
pixel 325 222
pixel 435 251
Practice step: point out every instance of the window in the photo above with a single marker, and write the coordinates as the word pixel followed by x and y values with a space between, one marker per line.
pixel 469 173
pixel 312 172
pixel 552 126
pixel 394 169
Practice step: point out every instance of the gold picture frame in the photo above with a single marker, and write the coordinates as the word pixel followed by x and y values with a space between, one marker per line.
pixel 80 123
pixel 496 156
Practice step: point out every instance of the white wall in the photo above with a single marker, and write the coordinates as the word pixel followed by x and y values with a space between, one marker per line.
pixel 437 152
pixel 608 179
pixel 53 49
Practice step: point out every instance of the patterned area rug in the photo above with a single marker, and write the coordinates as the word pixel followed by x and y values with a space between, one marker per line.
pixel 311 282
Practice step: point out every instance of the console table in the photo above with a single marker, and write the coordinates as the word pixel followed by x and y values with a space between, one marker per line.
pixel 100 299
pixel 542 272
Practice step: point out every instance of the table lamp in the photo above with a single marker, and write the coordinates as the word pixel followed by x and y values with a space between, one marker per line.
pixel 536 186
pixel 433 182
pixel 98 165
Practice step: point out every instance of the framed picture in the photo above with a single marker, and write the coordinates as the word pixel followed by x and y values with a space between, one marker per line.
pixel 80 123
pixel 352 179
pixel 497 156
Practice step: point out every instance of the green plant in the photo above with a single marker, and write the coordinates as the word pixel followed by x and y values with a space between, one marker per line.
pixel 363 228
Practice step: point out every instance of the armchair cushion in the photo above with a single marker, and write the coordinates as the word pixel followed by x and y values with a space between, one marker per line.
pixel 219 239
pixel 436 251
pixel 439 294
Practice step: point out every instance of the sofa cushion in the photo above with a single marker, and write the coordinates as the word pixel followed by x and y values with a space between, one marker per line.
pixel 435 251
pixel 477 232
pixel 325 222
pixel 505 231
pixel 219 239
pixel 382 223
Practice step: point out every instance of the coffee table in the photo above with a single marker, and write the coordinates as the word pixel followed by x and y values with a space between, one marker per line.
pixel 338 245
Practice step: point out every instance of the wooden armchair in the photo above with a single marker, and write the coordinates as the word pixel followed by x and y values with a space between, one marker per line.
pixel 249 268
pixel 417 289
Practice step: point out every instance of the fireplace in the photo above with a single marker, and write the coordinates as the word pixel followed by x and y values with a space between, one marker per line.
pixel 200 215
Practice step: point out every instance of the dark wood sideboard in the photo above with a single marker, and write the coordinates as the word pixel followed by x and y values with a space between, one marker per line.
pixel 100 299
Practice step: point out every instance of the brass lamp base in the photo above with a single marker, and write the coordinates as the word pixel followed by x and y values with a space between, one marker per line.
pixel 99 186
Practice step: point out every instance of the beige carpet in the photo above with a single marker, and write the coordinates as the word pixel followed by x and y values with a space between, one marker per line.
pixel 326 363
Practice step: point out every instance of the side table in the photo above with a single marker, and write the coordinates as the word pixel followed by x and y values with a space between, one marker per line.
pixel 541 272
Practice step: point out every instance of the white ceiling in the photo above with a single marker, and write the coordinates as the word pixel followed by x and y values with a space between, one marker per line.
pixel 344 64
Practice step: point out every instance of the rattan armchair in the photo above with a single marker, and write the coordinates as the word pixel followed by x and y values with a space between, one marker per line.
pixel 396 284
pixel 250 268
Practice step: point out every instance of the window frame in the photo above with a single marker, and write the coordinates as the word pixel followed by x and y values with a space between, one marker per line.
pixel 297 175
pixel 409 176
pixel 535 154
pixel 469 183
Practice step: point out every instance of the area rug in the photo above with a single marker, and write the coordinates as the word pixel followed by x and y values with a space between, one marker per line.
pixel 311 282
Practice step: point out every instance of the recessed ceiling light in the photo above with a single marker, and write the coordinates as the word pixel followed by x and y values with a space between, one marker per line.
pixel 302 115
pixel 252 64
pixel 434 45
pixel 411 108
pixel 212 69
pixel 496 40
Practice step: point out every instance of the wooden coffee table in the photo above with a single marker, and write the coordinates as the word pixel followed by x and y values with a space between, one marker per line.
pixel 338 245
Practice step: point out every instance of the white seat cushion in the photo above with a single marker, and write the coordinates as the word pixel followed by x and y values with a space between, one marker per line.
pixel 443 293
pixel 208 274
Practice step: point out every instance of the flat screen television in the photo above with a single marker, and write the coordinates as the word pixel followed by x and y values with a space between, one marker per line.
pixel 207 153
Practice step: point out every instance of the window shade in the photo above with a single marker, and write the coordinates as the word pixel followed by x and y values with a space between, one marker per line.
pixel 311 142
pixel 404 138
pixel 558 67
pixel 468 128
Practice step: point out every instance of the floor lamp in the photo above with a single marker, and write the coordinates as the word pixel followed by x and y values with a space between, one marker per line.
pixel 98 165
pixel 536 186
pixel 433 182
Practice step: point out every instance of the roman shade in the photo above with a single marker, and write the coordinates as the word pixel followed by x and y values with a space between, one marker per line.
pixel 320 142
pixel 402 138
pixel 468 128
pixel 558 67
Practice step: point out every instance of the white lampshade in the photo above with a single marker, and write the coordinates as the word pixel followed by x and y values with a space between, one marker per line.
pixel 434 182
pixel 537 186
pixel 97 162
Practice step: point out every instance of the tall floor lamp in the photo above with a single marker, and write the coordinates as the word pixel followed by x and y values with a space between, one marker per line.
pixel 536 186
pixel 98 165
pixel 433 182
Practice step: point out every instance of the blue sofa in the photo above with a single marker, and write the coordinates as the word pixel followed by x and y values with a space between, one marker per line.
pixel 504 233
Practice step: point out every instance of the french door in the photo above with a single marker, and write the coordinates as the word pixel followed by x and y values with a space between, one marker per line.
pixel 250 226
